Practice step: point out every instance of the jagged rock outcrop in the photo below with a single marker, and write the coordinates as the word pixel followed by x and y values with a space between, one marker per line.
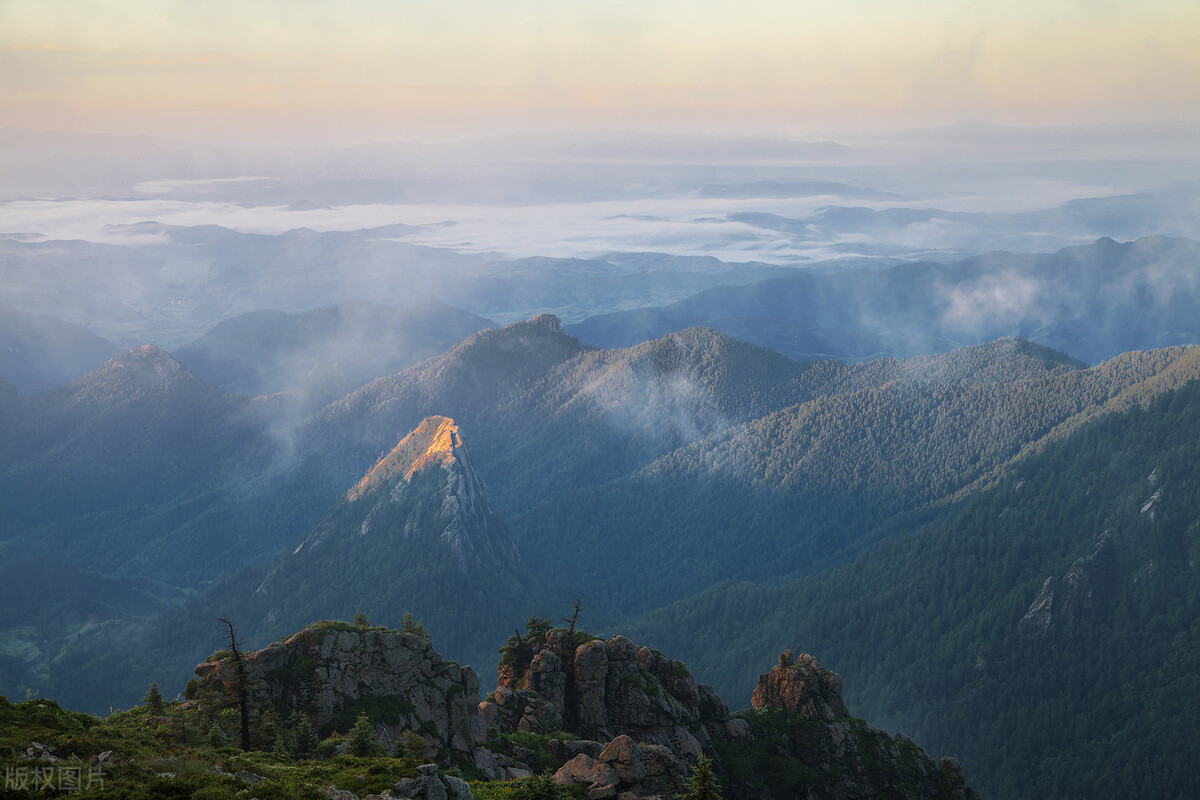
pixel 641 720
pixel 424 491
pixel 1062 602
pixel 331 672
pixel 602 689
pixel 805 744
pixel 801 686
pixel 798 740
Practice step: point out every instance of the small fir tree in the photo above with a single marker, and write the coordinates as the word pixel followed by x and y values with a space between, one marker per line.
pixel 362 741
pixel 360 618
pixel 413 626
pixel 703 783
pixel 283 743
pixel 216 736
pixel 304 739
pixel 154 700
pixel 268 728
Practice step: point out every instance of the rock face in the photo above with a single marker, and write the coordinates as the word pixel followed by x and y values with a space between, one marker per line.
pixel 801 687
pixel 332 672
pixel 798 740
pixel 638 719
pixel 1089 583
pixel 602 689
pixel 425 492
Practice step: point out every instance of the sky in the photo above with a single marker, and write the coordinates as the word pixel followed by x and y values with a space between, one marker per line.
pixel 363 70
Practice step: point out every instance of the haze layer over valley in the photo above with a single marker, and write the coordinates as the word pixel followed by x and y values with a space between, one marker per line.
pixel 179 238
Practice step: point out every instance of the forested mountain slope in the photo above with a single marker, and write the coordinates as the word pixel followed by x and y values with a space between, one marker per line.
pixel 1047 632
pixel 627 478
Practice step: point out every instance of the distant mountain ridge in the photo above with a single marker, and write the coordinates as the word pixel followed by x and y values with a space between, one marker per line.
pixel 40 351
pixel 271 351
pixel 1094 301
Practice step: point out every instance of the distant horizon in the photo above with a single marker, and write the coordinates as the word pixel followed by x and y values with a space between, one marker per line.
pixel 380 71
pixel 967 127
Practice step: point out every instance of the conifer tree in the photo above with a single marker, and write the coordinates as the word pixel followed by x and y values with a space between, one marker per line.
pixel 362 741
pixel 154 700
pixel 303 739
pixel 216 736
pixel 414 626
pixel 703 783
pixel 239 687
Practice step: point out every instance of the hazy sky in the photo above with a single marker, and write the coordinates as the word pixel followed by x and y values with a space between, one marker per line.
pixel 371 69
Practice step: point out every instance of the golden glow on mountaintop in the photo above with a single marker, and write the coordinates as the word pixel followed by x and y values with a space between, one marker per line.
pixel 142 64
pixel 431 442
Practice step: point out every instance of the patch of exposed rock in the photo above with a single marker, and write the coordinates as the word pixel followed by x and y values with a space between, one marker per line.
pixel 625 769
pixel 428 785
pixel 801 686
pixel 600 690
pixel 331 672
pixel 1089 582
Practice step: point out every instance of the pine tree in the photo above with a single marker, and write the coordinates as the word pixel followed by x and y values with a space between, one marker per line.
pixel 703 783
pixel 154 700
pixel 360 618
pixel 362 741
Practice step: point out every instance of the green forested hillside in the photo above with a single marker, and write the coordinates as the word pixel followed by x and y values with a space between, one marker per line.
pixel 1083 687
pixel 803 488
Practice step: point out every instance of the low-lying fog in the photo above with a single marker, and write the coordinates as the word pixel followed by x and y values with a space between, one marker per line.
pixel 489 225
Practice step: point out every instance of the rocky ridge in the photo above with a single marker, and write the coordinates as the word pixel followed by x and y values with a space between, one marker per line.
pixel 625 721
pixel 1062 602
pixel 603 689
pixel 643 722
pixel 332 671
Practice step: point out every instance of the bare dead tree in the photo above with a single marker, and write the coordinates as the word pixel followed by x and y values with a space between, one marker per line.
pixel 239 683
pixel 572 619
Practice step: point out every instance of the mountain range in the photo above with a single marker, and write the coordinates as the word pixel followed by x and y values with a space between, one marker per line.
pixel 898 517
